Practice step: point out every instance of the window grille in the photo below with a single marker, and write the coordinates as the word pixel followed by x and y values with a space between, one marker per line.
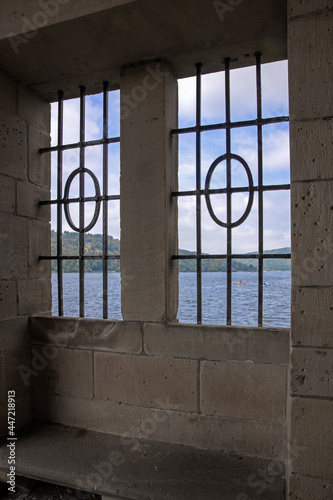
pixel 205 191
pixel 64 202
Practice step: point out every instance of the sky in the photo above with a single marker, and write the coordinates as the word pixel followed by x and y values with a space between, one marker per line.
pixel 243 143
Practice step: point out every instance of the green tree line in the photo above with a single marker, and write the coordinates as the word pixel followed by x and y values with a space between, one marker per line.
pixel 93 245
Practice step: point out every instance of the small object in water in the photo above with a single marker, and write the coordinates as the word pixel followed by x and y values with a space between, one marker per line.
pixel 239 282
pixel 265 284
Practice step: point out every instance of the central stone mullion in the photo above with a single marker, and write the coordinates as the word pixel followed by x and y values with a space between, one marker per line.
pixel 149 282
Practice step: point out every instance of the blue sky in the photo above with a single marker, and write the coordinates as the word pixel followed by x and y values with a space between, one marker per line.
pixel 244 143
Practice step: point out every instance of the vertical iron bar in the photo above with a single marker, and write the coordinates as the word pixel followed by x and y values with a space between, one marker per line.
pixel 198 196
pixel 59 206
pixel 81 225
pixel 105 193
pixel 229 206
pixel 260 192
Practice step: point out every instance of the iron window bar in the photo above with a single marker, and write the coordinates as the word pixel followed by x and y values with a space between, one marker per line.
pixel 259 122
pixel 63 200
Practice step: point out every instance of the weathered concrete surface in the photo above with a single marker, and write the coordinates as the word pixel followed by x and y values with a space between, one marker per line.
pixel 102 335
pixel 140 470
pixel 218 343
pixel 312 372
pixel 184 32
pixel 149 278
pixel 312 438
pixel 244 390
pixel 149 382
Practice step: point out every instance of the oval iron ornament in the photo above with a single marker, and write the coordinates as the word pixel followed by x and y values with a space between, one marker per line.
pixel 97 201
pixel 220 159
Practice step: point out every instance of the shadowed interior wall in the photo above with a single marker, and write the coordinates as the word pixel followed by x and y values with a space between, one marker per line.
pixel 24 233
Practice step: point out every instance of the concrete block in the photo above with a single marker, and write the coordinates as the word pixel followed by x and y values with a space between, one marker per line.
pixel 311 149
pixel 147 382
pixel 297 8
pixel 13 145
pixel 14 333
pixel 34 109
pixel 66 372
pixel 149 218
pixel 39 244
pixel 7 194
pixel 310 68
pixel 230 435
pixel 39 170
pixel 100 416
pixel 34 296
pixel 261 345
pixel 244 390
pixel 28 197
pixel 312 243
pixel 307 305
pixel 8 299
pixel 312 372
pixel 8 93
pixel 309 488
pixel 312 437
pixel 103 335
pixel 13 246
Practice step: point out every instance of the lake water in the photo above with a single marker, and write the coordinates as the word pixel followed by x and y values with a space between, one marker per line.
pixel 276 306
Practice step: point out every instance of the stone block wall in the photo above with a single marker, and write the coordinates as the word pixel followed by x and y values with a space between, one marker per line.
pixel 311 136
pixel 24 235
pixel 219 388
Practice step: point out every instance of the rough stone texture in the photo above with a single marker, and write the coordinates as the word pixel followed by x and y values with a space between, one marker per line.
pixel 14 333
pixel 312 437
pixel 33 109
pixel 28 196
pixel 301 8
pixel 310 488
pixel 230 435
pixel 34 295
pixel 66 372
pixel 101 416
pixel 311 149
pixel 312 372
pixel 7 194
pixel 244 390
pixel 39 244
pixel 148 382
pixel 310 68
pixel 307 305
pixel 13 145
pixel 8 299
pixel 312 243
pixel 149 219
pixel 39 171
pixel 103 335
pixel 261 345
pixel 14 257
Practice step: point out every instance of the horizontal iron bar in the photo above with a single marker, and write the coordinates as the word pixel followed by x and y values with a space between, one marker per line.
pixel 63 201
pixel 76 145
pixel 233 256
pixel 230 125
pixel 77 257
pixel 277 187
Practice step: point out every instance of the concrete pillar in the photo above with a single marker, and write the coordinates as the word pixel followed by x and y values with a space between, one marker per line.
pixel 311 133
pixel 25 284
pixel 148 176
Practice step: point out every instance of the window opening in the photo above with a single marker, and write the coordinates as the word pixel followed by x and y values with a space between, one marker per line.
pixel 86 184
pixel 252 185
